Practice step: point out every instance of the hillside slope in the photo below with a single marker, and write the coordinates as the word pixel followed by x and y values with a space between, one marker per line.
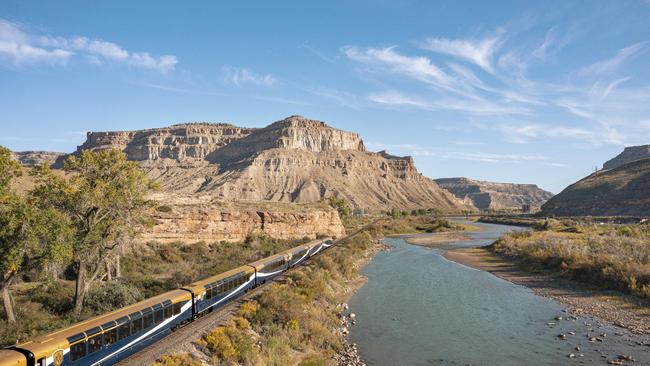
pixel 622 191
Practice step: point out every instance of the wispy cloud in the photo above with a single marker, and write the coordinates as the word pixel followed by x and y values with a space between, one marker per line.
pixel 480 107
pixel 480 156
pixel 478 52
pixel 419 68
pixel 612 64
pixel 243 76
pixel 19 48
pixel 15 47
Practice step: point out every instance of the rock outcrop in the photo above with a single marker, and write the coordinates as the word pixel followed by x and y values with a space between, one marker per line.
pixel 33 158
pixel 620 191
pixel 178 142
pixel 293 160
pixel 216 222
pixel 629 154
pixel 496 196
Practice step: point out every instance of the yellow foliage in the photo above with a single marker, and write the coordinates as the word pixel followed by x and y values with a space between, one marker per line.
pixel 182 359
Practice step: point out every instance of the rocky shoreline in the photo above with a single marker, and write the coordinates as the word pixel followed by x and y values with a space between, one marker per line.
pixel 349 356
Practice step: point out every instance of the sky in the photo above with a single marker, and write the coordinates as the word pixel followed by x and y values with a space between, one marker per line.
pixel 506 91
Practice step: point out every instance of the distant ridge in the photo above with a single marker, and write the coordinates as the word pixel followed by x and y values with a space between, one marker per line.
pixel 496 196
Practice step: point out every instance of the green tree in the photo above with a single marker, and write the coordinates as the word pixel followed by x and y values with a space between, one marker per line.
pixel 29 238
pixel 341 205
pixel 395 213
pixel 103 200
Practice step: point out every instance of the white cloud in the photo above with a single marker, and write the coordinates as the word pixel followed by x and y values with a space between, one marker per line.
pixel 478 52
pixel 16 48
pixel 478 107
pixel 243 76
pixel 419 68
pixel 19 47
pixel 612 64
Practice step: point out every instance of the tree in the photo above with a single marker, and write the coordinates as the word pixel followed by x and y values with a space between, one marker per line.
pixel 341 205
pixel 29 238
pixel 103 200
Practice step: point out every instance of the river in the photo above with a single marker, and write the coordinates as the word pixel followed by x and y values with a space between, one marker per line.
pixel 418 308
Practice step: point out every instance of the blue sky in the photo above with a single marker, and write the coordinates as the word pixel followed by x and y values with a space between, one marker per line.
pixel 512 91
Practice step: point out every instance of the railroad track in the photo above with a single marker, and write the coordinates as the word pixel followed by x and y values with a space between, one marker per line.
pixel 182 337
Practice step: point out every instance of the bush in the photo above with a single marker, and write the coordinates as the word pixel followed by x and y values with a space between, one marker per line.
pixel 164 208
pixel 112 295
pixel 182 359
pixel 57 297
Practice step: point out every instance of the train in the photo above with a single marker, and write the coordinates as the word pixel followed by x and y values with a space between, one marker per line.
pixel 110 338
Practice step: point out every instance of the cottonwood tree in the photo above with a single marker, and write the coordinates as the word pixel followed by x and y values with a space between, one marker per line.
pixel 12 232
pixel 103 199
pixel 29 238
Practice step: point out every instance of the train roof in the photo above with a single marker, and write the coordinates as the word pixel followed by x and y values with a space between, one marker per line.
pixel 12 358
pixel 202 283
pixel 46 344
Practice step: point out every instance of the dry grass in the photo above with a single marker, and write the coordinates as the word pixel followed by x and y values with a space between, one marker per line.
pixel 609 256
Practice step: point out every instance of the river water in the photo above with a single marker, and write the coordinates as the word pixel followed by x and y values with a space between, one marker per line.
pixel 418 308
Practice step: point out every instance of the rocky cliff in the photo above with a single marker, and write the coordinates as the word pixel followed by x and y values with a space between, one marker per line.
pixel 178 142
pixel 629 154
pixel 293 160
pixel 496 196
pixel 33 158
pixel 620 191
pixel 215 221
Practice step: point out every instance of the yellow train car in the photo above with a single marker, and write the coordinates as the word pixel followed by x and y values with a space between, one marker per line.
pixel 108 338
pixel 219 289
pixel 10 357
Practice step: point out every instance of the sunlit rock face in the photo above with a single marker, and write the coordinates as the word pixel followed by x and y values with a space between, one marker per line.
pixel 295 160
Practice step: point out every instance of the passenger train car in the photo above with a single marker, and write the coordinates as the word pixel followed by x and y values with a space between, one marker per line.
pixel 109 338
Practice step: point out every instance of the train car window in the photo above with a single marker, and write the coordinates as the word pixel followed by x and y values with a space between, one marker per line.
pixel 123 329
pixel 77 351
pixel 168 311
pixel 136 322
pixel 94 343
pixel 177 308
pixel 147 316
pixel 159 316
pixel 110 337
pixel 274 265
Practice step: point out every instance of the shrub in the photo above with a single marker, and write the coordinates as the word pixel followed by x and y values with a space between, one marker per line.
pixel 164 208
pixel 55 296
pixel 112 295
pixel 182 359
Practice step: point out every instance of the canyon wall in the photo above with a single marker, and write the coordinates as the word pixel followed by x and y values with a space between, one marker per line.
pixel 496 196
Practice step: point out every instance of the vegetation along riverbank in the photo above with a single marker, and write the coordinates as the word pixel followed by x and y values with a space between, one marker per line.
pixel 598 269
pixel 312 330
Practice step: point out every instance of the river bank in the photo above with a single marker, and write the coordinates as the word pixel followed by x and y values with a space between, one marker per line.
pixel 418 308
pixel 619 309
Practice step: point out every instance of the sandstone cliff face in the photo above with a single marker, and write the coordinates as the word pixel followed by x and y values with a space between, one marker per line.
pixel 629 154
pixel 178 142
pixel 497 196
pixel 33 158
pixel 206 222
pixel 293 160
pixel 620 191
